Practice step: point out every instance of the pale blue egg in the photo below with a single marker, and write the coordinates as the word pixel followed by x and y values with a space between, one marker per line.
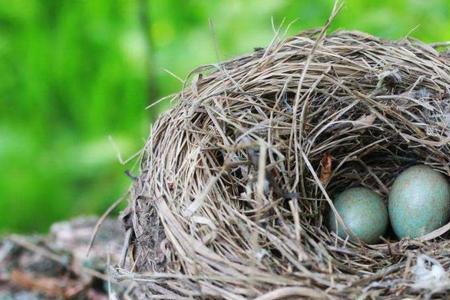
pixel 419 202
pixel 363 212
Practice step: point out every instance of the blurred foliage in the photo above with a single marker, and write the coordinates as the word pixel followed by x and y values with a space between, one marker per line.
pixel 73 72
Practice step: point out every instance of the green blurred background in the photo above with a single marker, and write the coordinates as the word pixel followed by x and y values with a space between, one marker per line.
pixel 74 72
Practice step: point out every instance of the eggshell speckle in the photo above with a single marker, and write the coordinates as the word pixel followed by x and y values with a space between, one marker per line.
pixel 363 212
pixel 419 202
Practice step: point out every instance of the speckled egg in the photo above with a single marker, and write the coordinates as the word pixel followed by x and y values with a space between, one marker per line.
pixel 419 202
pixel 363 212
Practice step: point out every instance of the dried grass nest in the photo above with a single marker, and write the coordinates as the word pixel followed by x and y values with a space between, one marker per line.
pixel 238 177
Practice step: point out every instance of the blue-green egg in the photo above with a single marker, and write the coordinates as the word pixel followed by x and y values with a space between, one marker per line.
pixel 419 202
pixel 363 212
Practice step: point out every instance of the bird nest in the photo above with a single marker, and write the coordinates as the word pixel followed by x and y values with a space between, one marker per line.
pixel 238 177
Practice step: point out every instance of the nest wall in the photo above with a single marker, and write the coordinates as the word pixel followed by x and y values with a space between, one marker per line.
pixel 238 177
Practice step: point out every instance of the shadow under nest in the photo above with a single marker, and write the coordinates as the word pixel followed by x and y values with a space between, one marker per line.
pixel 237 178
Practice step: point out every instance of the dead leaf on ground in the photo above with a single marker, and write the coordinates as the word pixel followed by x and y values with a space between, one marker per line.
pixel 51 287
